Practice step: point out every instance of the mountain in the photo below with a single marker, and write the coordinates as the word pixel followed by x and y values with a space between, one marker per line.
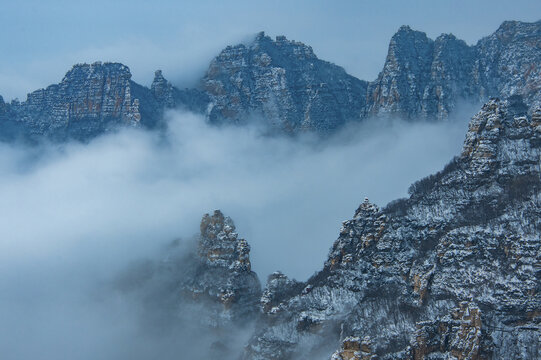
pixel 93 99
pixel 286 85
pixel 207 294
pixel 453 271
pixel 283 85
pixel 428 79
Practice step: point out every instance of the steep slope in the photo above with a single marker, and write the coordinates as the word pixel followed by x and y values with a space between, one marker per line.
pixel 89 100
pixel 283 82
pixel 451 272
pixel 509 59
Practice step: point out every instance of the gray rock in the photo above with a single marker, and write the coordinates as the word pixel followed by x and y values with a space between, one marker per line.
pixel 207 295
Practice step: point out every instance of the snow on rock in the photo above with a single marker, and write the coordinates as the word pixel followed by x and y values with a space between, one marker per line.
pixel 450 272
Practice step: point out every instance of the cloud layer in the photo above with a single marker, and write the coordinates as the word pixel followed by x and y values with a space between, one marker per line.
pixel 75 215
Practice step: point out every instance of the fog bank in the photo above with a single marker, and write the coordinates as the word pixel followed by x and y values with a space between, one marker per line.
pixel 73 216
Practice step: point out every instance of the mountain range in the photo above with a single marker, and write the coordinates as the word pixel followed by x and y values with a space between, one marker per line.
pixel 284 85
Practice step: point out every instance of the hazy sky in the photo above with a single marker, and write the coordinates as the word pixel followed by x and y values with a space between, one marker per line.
pixel 41 40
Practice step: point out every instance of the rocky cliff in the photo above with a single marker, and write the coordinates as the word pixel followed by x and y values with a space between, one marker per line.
pixel 423 78
pixel 451 272
pixel 91 99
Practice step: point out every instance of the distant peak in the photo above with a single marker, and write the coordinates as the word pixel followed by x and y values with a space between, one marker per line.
pixel 159 84
pixel 98 69
pixel 260 36
pixel 101 65
pixel 406 32
pixel 514 25
pixel 158 77
pixel 405 28
pixel 446 37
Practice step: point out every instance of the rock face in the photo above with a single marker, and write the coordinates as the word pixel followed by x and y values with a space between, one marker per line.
pixel 284 83
pixel 423 78
pixel 224 275
pixel 451 272
pixel 427 79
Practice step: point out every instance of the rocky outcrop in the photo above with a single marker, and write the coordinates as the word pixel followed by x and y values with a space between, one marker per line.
pixel 354 348
pixel 423 78
pixel 205 294
pixel 91 99
pixel 170 97
pixel 451 272
pixel 216 277
pixel 283 83
pixel 224 275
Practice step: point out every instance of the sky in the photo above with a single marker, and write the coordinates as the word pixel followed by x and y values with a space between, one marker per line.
pixel 41 40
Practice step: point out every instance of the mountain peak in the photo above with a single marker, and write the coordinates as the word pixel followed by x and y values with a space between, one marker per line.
pixel 405 28
pixel 219 244
pixel 97 69
pixel 406 34
pixel 260 36
pixel 162 89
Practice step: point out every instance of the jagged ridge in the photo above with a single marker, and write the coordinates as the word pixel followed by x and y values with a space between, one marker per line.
pixel 283 84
